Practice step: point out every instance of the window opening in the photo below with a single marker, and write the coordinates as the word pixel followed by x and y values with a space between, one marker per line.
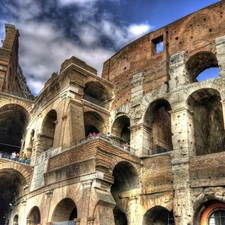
pixel 158 45
pixel 217 217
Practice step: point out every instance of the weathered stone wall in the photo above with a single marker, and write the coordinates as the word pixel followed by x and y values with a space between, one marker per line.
pixel 173 168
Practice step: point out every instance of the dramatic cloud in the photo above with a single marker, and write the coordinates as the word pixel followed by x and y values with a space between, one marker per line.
pixel 51 33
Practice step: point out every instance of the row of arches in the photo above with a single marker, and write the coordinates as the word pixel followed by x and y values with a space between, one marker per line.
pixel 205 105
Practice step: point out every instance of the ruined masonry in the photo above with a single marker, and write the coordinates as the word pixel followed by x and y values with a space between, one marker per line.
pixel 158 156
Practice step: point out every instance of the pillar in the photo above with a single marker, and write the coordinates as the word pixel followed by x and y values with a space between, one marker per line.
pixel 141 139
pixel 183 143
pixel 220 54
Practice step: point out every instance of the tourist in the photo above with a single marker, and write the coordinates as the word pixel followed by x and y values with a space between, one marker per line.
pixel 13 156
pixel 126 146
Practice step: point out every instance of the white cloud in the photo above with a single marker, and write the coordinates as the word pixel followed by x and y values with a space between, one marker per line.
pixel 77 2
pixel 44 45
pixel 88 35
pixel 139 29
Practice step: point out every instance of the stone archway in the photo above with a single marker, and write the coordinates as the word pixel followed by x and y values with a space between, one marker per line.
pixel 120 129
pixel 119 217
pixel 208 121
pixel 96 93
pixel 158 122
pixel 125 180
pixel 158 215
pixel 15 220
pixel 13 121
pixel 46 138
pixel 199 62
pixel 34 216
pixel 12 185
pixel 93 122
pixel 65 212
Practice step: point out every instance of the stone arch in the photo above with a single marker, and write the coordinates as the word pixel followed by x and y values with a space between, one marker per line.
pixel 197 22
pixel 120 217
pixel 125 177
pixel 65 210
pixel 96 93
pixel 158 215
pixel 93 122
pixel 199 62
pixel 158 123
pixel 34 216
pixel 208 122
pixel 13 122
pixel 27 105
pixel 16 220
pixel 12 189
pixel 120 129
pixel 46 137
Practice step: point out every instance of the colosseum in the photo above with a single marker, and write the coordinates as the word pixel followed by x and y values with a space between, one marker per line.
pixel 142 144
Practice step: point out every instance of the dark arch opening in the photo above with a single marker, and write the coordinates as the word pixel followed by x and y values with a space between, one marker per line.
pixel 119 216
pixel 96 93
pixel 158 215
pixel 65 210
pixel 208 121
pixel 11 189
pixel 93 123
pixel 48 130
pixel 158 122
pixel 120 129
pixel 34 217
pixel 125 178
pixel 15 220
pixel 13 122
pixel 201 62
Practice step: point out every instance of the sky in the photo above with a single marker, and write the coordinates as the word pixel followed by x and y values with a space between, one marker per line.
pixel 92 30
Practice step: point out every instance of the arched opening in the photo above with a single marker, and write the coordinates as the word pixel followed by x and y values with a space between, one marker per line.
pixel 48 130
pixel 13 122
pixel 125 178
pixel 200 62
pixel 158 215
pixel 96 93
pixel 213 213
pixel 34 217
pixel 158 123
pixel 208 121
pixel 11 190
pixel 94 123
pixel 65 212
pixel 15 220
pixel 120 129
pixel 119 217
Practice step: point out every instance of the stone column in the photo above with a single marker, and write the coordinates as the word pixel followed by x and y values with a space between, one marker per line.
pixel 141 139
pixel 86 188
pixel 72 127
pixel 183 143
pixel 177 70
pixel 48 197
pixel 220 54
pixel 133 216
pixel 22 213
pixel 223 111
